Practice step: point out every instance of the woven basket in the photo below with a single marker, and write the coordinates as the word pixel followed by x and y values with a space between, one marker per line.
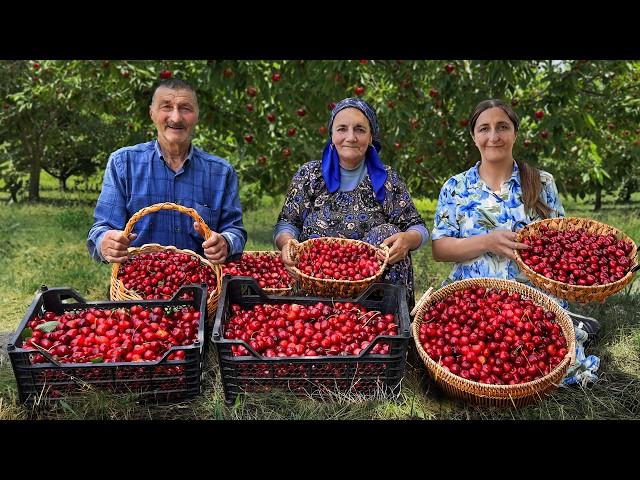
pixel 118 290
pixel 496 395
pixel 271 291
pixel 324 287
pixel 578 293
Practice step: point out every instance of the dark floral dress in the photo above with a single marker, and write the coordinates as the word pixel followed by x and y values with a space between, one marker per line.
pixel 357 215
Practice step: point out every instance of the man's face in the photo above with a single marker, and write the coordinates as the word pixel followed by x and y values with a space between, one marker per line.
pixel 175 115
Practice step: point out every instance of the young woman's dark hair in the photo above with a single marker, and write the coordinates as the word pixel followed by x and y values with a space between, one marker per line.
pixel 529 175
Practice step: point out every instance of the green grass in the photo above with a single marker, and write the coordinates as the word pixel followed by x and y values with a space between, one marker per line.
pixel 45 244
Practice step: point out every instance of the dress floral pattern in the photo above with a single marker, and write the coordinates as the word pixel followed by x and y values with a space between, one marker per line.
pixel 357 214
pixel 468 207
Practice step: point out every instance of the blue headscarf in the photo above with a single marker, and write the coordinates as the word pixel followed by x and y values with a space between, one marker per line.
pixel 375 167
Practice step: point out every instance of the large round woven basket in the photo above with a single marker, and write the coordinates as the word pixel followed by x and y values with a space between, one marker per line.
pixel 325 287
pixel 577 293
pixel 118 290
pixel 496 395
pixel 271 291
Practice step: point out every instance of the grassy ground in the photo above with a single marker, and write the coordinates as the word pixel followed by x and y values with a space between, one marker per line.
pixel 45 244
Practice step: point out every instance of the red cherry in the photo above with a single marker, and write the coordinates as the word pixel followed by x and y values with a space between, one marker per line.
pixel 291 132
pixel 322 130
pixel 248 138
pixel 301 112
pixel 364 62
pixel 433 93
pixel 164 74
pixel 331 105
pixel 36 66
pixel 276 77
pixel 249 107
pixel 286 152
pixel 262 159
pixel 358 90
pixel 449 67
pixel 391 104
pixel 227 73
pixel 252 91
pixel 125 73
pixel 271 117
pixel 539 114
pixel 544 133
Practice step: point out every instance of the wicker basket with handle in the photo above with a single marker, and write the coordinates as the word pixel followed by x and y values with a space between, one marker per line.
pixel 325 287
pixel 273 254
pixel 119 292
pixel 495 395
pixel 578 293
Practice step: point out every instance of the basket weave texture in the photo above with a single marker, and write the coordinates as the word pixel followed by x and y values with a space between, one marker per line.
pixel 118 290
pixel 577 293
pixel 271 291
pixel 496 395
pixel 324 287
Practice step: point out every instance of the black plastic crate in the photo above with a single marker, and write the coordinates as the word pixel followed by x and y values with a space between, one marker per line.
pixel 366 374
pixel 162 381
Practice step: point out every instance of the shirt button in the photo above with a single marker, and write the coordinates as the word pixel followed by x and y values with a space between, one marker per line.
pixel 177 229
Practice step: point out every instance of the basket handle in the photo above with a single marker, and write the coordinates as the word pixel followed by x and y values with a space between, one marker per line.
pixel 514 227
pixel 167 206
pixel 423 299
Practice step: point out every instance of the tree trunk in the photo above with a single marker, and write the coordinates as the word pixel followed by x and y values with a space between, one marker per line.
pixel 598 204
pixel 62 183
pixel 34 179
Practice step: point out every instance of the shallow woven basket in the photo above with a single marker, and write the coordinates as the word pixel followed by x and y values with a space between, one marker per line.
pixel 578 293
pixel 323 287
pixel 118 290
pixel 272 291
pixel 495 395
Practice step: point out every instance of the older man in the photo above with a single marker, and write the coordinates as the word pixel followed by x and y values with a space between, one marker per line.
pixel 168 169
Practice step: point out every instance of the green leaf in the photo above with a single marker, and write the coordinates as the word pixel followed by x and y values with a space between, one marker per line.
pixel 97 360
pixel 26 333
pixel 590 119
pixel 48 327
pixel 66 407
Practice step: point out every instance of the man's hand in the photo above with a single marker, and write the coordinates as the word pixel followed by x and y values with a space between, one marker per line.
pixel 114 246
pixel 215 247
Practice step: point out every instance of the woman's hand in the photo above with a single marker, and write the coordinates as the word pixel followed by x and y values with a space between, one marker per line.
pixel 399 245
pixel 284 253
pixel 503 242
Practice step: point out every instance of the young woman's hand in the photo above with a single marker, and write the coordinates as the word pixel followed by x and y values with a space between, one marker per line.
pixel 503 242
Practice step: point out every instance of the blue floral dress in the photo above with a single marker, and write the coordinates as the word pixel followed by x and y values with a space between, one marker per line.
pixel 314 212
pixel 468 207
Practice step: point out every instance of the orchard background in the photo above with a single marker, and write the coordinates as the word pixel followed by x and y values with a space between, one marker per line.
pixel 579 119
pixel 60 120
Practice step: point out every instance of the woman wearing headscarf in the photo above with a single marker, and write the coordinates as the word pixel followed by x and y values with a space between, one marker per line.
pixel 351 194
